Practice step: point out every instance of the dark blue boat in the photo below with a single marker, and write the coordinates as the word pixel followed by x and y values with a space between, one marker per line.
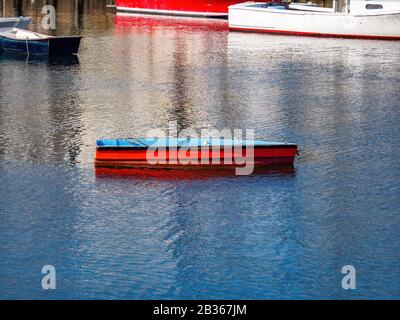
pixel 32 43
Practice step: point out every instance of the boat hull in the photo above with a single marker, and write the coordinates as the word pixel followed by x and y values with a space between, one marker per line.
pixel 254 18
pixel 198 8
pixel 199 158
pixel 55 46
pixel 63 46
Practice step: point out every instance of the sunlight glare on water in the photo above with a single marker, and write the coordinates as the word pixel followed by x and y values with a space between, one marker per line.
pixel 279 235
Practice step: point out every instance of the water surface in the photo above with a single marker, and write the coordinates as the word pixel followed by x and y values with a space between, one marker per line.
pixel 280 235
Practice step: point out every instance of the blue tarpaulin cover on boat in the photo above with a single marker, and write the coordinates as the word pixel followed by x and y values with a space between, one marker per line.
pixel 179 142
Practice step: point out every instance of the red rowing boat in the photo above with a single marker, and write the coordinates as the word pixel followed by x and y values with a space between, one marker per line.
pixel 192 153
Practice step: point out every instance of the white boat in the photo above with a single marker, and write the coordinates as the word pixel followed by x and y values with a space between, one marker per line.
pixel 368 19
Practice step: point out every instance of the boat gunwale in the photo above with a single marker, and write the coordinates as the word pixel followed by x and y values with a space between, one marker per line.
pixel 6 35
pixel 243 6
pixel 41 39
pixel 141 148
pixel 205 14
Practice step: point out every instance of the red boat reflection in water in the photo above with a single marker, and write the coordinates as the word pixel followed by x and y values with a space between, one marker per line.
pixel 196 8
pixel 188 173
pixel 143 23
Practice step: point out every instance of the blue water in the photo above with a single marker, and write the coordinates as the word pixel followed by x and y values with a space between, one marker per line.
pixel 277 235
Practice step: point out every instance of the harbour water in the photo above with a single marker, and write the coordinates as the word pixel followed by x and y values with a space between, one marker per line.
pixel 279 235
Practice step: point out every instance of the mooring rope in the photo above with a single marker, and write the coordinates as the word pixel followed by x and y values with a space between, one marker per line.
pixel 27 46
pixel 136 141
pixel 17 22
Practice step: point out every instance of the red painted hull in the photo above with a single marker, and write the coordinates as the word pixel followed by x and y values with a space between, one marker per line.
pixel 197 158
pixel 178 7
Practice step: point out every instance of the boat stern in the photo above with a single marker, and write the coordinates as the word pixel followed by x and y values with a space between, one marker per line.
pixel 64 46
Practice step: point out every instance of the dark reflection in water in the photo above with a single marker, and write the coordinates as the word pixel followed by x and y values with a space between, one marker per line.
pixel 276 235
pixel 43 108
pixel 7 57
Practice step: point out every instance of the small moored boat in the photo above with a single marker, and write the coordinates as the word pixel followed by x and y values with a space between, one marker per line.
pixel 13 22
pixel 20 23
pixel 191 153
pixel 33 43
pixel 373 19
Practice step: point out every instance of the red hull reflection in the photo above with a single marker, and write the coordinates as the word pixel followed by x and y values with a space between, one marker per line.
pixel 149 23
pixel 187 174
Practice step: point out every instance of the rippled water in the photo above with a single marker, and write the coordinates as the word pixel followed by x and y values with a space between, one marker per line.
pixel 277 235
